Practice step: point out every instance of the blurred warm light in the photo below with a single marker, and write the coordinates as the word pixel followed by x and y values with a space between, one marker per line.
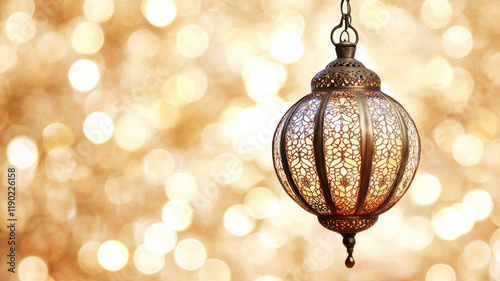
pixel 181 185
pixel 87 258
pixel 457 41
pixel 440 272
pixel 190 254
pixel 239 220
pixel 20 28
pixel 436 13
pixel 120 190
pixel 84 75
pixel 177 215
pixel 57 134
pixel 87 38
pixel 448 224
pixel 52 46
pixel 426 189
pixel 191 85
pixel 160 238
pixel 8 58
pixel 130 133
pixel 98 10
pixel 143 43
pixel 446 132
pixel 468 150
pixel 160 12
pixel 417 233
pixel 164 114
pixel 263 79
pixel 32 269
pixel 461 86
pixel 98 127
pixel 389 224
pixel 477 204
pixel 112 255
pixel 291 20
pixel 148 261
pixel 61 204
pixel 438 73
pixel 22 152
pixel 477 255
pixel 214 269
pixel 268 278
pixel 157 165
pixel 192 41
pixel 286 46
pixel 262 202
pixel 374 14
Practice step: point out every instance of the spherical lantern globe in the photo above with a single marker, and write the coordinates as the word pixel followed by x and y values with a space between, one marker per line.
pixel 346 152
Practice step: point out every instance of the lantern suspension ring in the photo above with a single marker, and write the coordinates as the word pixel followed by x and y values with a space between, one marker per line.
pixel 345 21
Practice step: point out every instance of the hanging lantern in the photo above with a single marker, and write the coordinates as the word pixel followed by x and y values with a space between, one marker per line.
pixel 346 152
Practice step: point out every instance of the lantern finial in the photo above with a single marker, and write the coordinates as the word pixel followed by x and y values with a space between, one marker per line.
pixel 349 242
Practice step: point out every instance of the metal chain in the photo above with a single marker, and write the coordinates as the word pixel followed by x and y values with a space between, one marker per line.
pixel 346 22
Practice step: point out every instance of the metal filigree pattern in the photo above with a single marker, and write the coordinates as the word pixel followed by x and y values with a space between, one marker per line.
pixel 300 154
pixel 278 163
pixel 387 150
pixel 345 77
pixel 370 149
pixel 348 224
pixel 345 72
pixel 345 63
pixel 413 158
pixel 341 139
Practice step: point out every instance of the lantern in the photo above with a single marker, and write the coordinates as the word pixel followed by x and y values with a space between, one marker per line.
pixel 346 152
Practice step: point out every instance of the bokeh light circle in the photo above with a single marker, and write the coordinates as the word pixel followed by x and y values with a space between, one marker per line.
pixel 160 12
pixel 148 261
pixel 20 27
pixel 181 186
pixel 84 75
pixel 286 46
pixel 215 269
pixel 98 127
pixel 239 220
pixel 177 215
pixel 457 41
pixel 448 224
pixel 32 269
pixel 112 255
pixel 477 204
pixel 468 150
pixel 160 239
pixel 190 254
pixel 192 41
pixel 426 189
pixel 477 254
pixel 22 152
pixel 440 272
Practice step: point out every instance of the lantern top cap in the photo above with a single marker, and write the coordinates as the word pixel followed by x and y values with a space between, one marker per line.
pixel 345 73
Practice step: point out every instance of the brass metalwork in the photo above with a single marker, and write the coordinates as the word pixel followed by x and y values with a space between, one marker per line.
pixel 346 152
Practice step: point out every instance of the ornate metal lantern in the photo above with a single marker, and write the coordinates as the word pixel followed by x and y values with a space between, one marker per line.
pixel 346 152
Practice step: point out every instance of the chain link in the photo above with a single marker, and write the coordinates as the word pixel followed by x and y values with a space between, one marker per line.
pixel 345 21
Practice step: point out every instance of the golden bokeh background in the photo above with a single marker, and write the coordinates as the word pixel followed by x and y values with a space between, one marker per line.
pixel 142 131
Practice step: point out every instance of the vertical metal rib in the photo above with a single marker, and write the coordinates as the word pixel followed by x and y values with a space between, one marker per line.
pixel 365 120
pixel 284 161
pixel 319 153
pixel 405 151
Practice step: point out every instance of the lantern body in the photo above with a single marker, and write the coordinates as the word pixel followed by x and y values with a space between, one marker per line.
pixel 346 152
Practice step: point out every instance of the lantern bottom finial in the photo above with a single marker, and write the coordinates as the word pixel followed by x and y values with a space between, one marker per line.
pixel 349 242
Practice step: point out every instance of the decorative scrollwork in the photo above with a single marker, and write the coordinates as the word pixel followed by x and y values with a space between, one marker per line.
pixel 343 73
pixel 348 224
